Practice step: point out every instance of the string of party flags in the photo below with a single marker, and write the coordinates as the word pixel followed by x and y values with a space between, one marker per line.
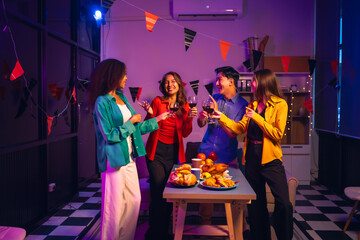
pixel 18 72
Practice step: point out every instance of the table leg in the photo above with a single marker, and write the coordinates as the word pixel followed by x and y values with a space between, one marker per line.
pixel 238 214
pixel 229 219
pixel 180 220
pixel 175 213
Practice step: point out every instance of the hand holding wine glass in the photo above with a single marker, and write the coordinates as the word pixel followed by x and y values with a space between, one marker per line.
pixel 208 107
pixel 174 107
pixel 192 103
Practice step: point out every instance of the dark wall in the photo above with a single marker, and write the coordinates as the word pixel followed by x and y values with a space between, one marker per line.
pixel 338 161
pixel 56 43
pixel 350 77
pixel 339 145
pixel 327 49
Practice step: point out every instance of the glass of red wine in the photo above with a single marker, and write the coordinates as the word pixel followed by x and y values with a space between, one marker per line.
pixel 192 103
pixel 174 108
pixel 208 107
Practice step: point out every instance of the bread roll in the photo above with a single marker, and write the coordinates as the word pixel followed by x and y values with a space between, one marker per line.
pixel 189 179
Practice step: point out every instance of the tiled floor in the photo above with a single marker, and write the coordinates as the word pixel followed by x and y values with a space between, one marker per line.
pixel 319 214
pixel 322 215
pixel 74 219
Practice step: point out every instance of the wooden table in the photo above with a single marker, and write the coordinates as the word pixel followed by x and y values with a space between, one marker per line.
pixel 235 201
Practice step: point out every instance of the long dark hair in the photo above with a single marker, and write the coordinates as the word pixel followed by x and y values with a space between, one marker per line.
pixel 267 84
pixel 105 78
pixel 180 96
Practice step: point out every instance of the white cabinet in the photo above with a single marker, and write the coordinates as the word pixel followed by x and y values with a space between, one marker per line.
pixel 296 160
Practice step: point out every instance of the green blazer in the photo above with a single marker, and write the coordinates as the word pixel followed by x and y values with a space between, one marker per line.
pixel 111 132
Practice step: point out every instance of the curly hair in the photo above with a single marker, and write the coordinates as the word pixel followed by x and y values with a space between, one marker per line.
pixel 180 96
pixel 105 78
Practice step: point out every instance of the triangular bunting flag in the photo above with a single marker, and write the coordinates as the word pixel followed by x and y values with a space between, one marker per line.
pixel 353 71
pixel 189 37
pixel 256 56
pixel 312 64
pixel 224 47
pixel 73 96
pixel 22 107
pixel 134 92
pixel 138 94
pixel 285 62
pixel 49 123
pixel 150 21
pixel 334 66
pixel 334 83
pixel 53 89
pixel 210 87
pixel 195 86
pixel 184 84
pixel 2 92
pixel 247 64
pixel 17 71
pixel 6 70
pixel 309 105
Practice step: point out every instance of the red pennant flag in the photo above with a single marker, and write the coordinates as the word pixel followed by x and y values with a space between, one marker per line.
pixel 334 66
pixel 184 84
pixel 285 62
pixel 224 47
pixel 309 105
pixel 74 96
pixel 49 123
pixel 17 71
pixel 150 21
pixel 138 94
pixel 53 89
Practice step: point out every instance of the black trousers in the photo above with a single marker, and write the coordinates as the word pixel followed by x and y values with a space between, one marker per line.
pixel 166 156
pixel 273 174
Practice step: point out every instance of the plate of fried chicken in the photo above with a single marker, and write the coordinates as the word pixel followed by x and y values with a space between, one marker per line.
pixel 218 182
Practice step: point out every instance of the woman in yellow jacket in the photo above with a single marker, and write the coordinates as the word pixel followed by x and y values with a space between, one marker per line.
pixel 264 124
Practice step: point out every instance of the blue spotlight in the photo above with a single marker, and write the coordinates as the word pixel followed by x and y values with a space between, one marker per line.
pixel 98 15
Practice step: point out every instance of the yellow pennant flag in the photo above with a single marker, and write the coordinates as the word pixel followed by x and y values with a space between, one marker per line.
pixel 224 47
pixel 150 21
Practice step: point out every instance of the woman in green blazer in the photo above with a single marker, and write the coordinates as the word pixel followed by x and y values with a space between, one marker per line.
pixel 118 132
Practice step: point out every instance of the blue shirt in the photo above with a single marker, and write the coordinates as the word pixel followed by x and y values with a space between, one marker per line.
pixel 216 139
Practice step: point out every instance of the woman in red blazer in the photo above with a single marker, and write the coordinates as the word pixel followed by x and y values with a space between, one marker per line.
pixel 165 148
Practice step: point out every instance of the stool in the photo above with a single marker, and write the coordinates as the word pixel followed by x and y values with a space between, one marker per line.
pixel 13 233
pixel 354 194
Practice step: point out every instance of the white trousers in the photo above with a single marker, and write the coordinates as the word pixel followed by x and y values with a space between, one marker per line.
pixel 120 202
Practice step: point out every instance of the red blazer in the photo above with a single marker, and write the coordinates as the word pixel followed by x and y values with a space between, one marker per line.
pixel 183 127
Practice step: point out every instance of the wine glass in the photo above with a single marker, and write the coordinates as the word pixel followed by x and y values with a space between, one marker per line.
pixel 208 107
pixel 174 108
pixel 192 103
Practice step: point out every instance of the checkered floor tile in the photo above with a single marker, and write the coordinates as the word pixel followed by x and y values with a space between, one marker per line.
pixel 74 219
pixel 319 214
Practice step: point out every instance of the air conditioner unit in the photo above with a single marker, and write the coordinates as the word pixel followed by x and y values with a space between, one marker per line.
pixel 207 9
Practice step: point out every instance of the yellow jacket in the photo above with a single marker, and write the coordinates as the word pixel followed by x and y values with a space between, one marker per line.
pixel 273 127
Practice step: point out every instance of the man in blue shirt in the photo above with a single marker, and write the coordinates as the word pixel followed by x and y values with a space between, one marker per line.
pixel 220 139
pixel 217 138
